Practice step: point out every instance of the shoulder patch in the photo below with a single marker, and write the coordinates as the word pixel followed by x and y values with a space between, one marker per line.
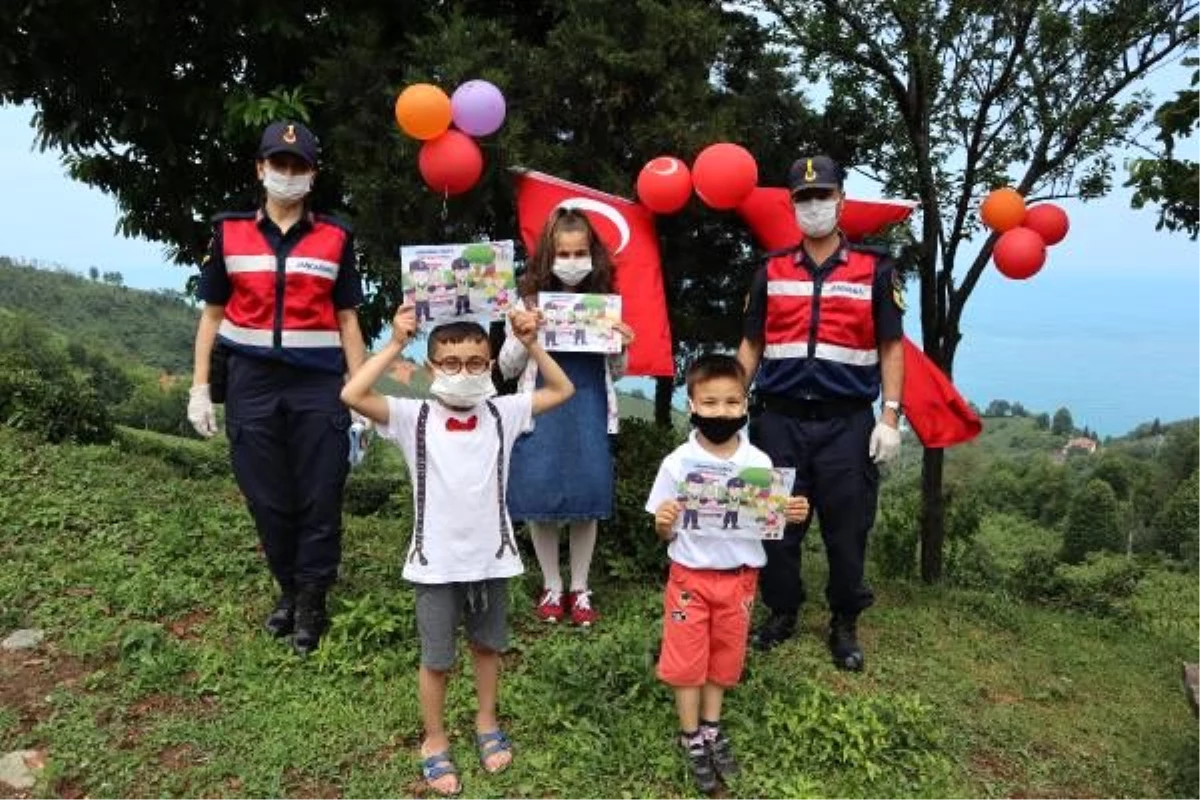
pixel 898 291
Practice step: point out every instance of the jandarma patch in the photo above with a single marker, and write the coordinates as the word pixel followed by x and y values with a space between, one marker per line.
pixel 679 616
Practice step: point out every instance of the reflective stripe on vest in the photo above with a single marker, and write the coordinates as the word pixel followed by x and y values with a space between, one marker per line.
pixel 820 332
pixel 300 284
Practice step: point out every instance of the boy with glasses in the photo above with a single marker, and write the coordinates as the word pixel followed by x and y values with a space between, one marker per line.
pixel 457 448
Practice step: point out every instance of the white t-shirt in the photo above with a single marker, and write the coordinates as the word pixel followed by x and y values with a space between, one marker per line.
pixel 707 551
pixel 462 536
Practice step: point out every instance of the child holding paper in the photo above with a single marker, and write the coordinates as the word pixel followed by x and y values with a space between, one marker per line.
pixel 712 581
pixel 462 552
pixel 562 468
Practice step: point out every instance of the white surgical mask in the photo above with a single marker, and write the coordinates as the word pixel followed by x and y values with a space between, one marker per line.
pixel 817 218
pixel 462 390
pixel 572 271
pixel 286 188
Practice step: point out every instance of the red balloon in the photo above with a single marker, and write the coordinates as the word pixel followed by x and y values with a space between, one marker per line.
pixel 1019 253
pixel 664 185
pixel 724 174
pixel 451 163
pixel 1049 221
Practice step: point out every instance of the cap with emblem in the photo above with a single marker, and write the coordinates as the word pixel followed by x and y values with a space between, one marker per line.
pixel 815 172
pixel 289 137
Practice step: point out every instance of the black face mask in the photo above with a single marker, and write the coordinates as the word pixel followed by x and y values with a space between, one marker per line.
pixel 718 430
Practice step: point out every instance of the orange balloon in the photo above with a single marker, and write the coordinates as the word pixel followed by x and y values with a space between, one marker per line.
pixel 1003 209
pixel 423 111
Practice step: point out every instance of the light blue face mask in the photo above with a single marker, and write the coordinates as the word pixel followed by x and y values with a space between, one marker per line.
pixel 360 437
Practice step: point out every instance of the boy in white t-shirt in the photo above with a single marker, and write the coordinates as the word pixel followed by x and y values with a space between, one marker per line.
pixel 713 578
pixel 463 551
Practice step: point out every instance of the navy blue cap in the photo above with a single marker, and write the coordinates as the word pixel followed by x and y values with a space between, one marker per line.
pixel 289 137
pixel 815 172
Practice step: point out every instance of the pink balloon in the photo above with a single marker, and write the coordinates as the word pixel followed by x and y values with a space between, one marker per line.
pixel 478 108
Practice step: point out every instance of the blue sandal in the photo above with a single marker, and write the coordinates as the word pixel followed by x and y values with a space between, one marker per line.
pixel 490 744
pixel 437 766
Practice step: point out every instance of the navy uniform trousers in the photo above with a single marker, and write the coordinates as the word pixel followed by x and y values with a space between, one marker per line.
pixel 841 482
pixel 289 447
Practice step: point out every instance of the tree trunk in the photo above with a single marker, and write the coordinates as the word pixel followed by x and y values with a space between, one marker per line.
pixel 663 389
pixel 933 513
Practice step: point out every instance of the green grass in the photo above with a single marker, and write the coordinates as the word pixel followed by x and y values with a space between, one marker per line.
pixel 151 591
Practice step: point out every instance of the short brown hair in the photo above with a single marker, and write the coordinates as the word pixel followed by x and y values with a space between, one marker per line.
pixel 455 332
pixel 712 366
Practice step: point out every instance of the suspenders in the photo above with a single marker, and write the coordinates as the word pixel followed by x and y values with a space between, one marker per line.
pixel 506 540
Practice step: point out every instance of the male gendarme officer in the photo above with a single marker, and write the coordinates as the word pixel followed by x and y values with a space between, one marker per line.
pixel 822 340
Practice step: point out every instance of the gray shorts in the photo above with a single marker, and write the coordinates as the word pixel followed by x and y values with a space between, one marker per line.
pixel 482 604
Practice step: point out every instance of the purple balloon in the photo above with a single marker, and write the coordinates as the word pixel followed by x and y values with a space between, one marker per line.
pixel 477 108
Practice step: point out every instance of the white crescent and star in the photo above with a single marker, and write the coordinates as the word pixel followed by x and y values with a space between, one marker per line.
pixel 671 164
pixel 604 210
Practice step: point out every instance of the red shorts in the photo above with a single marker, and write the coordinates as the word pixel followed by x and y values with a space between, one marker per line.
pixel 706 621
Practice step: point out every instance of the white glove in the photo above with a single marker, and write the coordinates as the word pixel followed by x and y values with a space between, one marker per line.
pixel 200 411
pixel 885 443
pixel 358 419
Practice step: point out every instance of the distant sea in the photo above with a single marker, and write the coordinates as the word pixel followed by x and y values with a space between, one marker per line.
pixel 1115 349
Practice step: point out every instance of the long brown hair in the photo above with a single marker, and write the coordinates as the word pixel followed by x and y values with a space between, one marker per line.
pixel 539 275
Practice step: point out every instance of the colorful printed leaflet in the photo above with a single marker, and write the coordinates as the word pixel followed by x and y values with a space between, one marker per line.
pixel 445 282
pixel 580 323
pixel 720 499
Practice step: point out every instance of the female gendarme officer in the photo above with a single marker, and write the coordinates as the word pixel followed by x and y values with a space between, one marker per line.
pixel 280 289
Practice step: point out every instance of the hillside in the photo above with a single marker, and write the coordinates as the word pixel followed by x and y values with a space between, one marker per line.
pixel 155 329
pixel 155 680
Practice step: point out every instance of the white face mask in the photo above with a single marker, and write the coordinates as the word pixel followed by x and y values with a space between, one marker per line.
pixel 817 218
pixel 462 390
pixel 286 188
pixel 572 271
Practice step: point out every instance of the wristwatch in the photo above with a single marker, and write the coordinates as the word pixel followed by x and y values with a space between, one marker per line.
pixel 894 405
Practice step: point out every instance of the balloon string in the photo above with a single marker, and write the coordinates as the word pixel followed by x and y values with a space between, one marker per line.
pixel 445 200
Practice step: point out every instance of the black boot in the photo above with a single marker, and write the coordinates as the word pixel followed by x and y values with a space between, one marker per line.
pixel 282 618
pixel 310 619
pixel 778 628
pixel 843 642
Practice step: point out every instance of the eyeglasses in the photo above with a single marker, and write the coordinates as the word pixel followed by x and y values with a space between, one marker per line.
pixel 453 365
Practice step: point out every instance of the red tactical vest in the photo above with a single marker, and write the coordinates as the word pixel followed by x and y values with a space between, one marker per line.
pixel 820 330
pixel 282 307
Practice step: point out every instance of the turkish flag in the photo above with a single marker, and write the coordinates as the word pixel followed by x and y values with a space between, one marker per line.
pixel 938 414
pixel 627 229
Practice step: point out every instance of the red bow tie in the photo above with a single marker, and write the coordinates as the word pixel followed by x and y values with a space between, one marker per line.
pixel 467 424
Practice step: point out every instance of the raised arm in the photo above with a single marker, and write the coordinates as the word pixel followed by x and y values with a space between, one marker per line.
pixel 749 355
pixel 359 392
pixel 556 386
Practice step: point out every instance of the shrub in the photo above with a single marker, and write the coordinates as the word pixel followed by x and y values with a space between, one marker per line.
pixel 893 545
pixel 1102 585
pixel 55 407
pixel 1177 525
pixel 628 546
pixel 1092 522
pixel 188 457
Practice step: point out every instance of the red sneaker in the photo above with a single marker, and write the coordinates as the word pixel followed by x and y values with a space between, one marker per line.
pixel 550 607
pixel 582 613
